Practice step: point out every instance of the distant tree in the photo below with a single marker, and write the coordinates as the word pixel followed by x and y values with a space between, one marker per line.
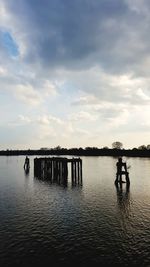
pixel 57 148
pixel 148 147
pixel 142 147
pixel 88 148
pixel 91 148
pixel 105 147
pixel 117 145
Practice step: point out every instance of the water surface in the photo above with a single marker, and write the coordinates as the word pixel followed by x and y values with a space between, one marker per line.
pixel 94 223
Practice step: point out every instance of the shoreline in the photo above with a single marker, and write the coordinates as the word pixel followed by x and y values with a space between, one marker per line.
pixel 78 152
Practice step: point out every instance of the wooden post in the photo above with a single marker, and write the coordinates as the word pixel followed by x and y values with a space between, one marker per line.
pixel 72 176
pixel 81 170
pixel 75 165
pixel 78 164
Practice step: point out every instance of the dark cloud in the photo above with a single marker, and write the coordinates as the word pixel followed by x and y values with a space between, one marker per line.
pixel 83 33
pixel 111 35
pixel 70 33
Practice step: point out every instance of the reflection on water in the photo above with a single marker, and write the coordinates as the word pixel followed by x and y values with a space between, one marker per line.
pixel 60 182
pixel 96 222
pixel 123 195
pixel 63 182
pixel 26 172
pixel 123 200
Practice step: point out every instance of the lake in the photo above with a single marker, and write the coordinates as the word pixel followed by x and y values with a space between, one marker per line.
pixel 95 223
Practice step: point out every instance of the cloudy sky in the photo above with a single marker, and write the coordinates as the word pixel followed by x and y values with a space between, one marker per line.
pixel 74 73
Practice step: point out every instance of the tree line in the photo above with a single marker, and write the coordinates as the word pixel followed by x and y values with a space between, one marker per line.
pixel 116 150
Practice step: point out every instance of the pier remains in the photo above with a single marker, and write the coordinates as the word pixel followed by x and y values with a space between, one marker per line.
pixel 55 169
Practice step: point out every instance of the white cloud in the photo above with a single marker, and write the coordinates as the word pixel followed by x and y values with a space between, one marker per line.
pixel 143 95
pixel 49 88
pixel 28 95
pixel 83 116
pixel 3 71
pixel 24 119
pixel 121 119
pixel 49 119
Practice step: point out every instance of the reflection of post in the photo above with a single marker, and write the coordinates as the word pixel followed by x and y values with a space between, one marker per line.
pixel 120 189
pixel 26 170
pixel 123 200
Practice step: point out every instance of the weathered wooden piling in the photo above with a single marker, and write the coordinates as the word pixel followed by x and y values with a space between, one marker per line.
pixel 122 170
pixel 76 171
pixel 55 169
pixel 119 177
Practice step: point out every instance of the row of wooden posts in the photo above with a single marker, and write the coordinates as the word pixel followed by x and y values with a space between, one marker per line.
pixel 55 169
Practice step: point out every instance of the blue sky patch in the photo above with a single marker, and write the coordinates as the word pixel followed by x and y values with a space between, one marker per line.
pixel 10 44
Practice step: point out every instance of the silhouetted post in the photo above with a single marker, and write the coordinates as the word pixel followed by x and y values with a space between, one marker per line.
pixel 66 169
pixel 121 172
pixel 61 170
pixel 73 177
pixel 26 163
pixel 54 170
pixel 75 171
pixel 72 171
pixel 58 171
pixel 81 170
pixel 50 170
pixel 36 167
pixel 78 173
pixel 42 168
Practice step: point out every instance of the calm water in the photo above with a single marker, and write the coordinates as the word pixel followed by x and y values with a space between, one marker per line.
pixel 44 223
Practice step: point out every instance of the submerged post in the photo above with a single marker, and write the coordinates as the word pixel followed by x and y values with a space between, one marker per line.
pixel 76 171
pixel 122 170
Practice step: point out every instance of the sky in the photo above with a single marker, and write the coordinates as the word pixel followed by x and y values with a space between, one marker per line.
pixel 74 73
